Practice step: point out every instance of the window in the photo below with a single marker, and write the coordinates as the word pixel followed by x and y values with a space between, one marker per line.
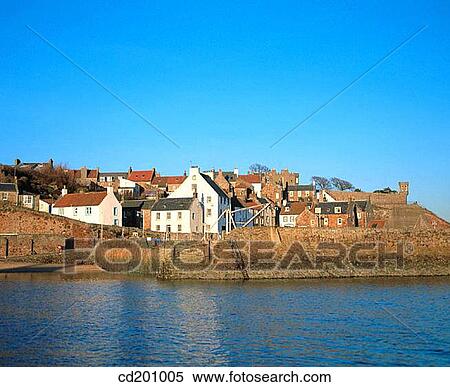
pixel 60 211
pixel 194 187
pixel 4 195
pixel 208 199
pixel 158 215
pixel 285 218
pixel 359 215
pixel 291 194
pixel 292 218
pixel 75 211
pixel 325 221
pixel 339 221
pixel 168 228
pixel 88 210
pixel 169 215
pixel 179 228
pixel 208 212
pixel 115 211
pixel 277 195
pixel 337 210
pixel 194 177
pixel 179 215
pixel 312 222
pixel 158 228
pixel 193 216
pixel 28 199
pixel 116 222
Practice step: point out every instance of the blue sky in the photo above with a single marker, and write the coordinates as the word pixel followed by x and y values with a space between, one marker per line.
pixel 227 79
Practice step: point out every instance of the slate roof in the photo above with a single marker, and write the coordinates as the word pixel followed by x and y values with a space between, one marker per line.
pixel 328 207
pixel 301 187
pixel 173 204
pixel 132 203
pixel 214 186
pixel 115 174
pixel 8 187
pixel 81 199
pixel 148 204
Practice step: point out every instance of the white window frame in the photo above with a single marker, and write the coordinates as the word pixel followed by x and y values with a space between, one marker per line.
pixel 88 211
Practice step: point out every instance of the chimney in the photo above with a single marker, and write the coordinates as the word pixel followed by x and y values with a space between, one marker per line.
pixel 83 172
pixel 194 170
pixel 64 191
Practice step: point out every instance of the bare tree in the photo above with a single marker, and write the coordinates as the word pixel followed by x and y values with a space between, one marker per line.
pixel 341 184
pixel 258 168
pixel 321 182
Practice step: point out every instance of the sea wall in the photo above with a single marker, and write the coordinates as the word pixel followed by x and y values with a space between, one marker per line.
pixel 288 253
pixel 251 253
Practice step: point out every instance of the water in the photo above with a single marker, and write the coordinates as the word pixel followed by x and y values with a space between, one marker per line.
pixel 143 322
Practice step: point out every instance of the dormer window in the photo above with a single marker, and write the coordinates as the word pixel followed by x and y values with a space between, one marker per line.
pixel 337 210
pixel 287 209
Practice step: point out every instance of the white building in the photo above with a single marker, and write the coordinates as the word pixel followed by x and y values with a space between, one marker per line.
pixel 177 215
pixel 214 201
pixel 91 207
pixel 45 205
pixel 128 189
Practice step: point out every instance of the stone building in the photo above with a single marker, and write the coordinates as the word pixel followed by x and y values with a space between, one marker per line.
pixel 303 192
pixel 9 193
pixel 343 214
pixel 381 198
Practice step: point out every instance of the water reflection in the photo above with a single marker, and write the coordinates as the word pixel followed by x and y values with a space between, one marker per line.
pixel 297 323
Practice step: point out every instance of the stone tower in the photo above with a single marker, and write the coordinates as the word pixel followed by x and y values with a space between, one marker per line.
pixel 404 187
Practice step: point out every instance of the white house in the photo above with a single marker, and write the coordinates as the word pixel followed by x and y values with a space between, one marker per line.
pixel 214 201
pixel 128 189
pixel 29 200
pixel 45 205
pixel 177 215
pixel 91 207
pixel 290 212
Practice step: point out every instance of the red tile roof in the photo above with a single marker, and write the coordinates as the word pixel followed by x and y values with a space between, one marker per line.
pixel 251 178
pixel 164 180
pixel 295 208
pixel 81 199
pixel 144 176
